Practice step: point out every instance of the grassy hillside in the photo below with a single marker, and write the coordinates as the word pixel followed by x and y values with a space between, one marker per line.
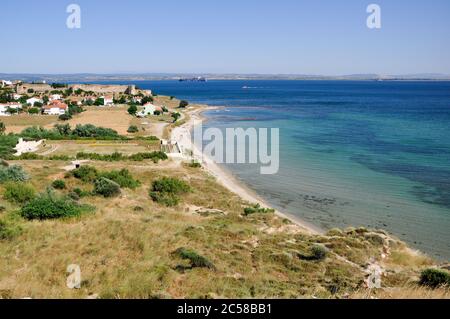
pixel 133 247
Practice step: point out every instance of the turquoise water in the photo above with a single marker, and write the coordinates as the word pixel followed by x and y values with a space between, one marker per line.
pixel 373 154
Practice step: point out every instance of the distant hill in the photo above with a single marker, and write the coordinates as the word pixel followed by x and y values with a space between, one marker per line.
pixel 92 77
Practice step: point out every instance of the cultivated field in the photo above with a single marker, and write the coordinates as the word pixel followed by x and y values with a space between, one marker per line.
pixel 17 123
pixel 116 118
pixel 100 147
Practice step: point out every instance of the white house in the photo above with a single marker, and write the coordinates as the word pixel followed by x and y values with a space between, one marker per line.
pixel 55 108
pixel 55 97
pixel 16 96
pixel 5 82
pixel 33 100
pixel 108 100
pixel 14 105
pixel 149 109
pixel 137 99
pixel 4 110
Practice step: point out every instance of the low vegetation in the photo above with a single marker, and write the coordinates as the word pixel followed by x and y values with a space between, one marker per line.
pixel 9 228
pixel 195 260
pixel 123 178
pixel 116 156
pixel 257 209
pixel 435 278
pixel 106 187
pixel 7 144
pixel 51 206
pixel 65 132
pixel 13 173
pixel 133 129
pixel 59 184
pixel 166 191
pixel 18 193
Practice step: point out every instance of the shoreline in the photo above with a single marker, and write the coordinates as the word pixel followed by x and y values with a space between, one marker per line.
pixel 182 135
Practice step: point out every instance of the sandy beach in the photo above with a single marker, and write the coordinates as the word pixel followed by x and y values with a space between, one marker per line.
pixel 182 135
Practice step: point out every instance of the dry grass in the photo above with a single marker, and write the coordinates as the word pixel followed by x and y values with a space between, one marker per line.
pixel 100 147
pixel 17 123
pixel 125 248
pixel 407 292
pixel 116 118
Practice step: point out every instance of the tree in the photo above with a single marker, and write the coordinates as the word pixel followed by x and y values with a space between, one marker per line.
pixel 63 129
pixel 146 99
pixel 38 104
pixel 65 117
pixel 133 129
pixel 176 116
pixel 12 111
pixel 132 109
pixel 99 102
pixel 157 113
pixel 33 110
pixel 183 104
pixel 2 128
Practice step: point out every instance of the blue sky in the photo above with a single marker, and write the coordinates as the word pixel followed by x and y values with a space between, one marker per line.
pixel 225 36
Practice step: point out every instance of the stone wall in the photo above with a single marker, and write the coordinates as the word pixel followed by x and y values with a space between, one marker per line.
pixel 129 89
pixel 38 88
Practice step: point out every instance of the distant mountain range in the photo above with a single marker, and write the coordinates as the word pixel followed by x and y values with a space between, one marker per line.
pixel 92 77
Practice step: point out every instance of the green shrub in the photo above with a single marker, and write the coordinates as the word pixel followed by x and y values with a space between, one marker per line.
pixel 59 184
pixel 13 173
pixel 165 199
pixel 133 129
pixel 74 196
pixel 7 144
pixel 9 229
pixel 195 259
pixel 18 193
pixel 132 110
pixel 79 132
pixel 257 209
pixel 166 189
pixel 122 177
pixel 106 187
pixel 170 185
pixel 114 157
pixel 434 278
pixel 65 117
pixel 49 206
pixel 85 173
pixel 154 156
pixel 183 104
pixel 33 110
pixel 318 252
pixel 81 193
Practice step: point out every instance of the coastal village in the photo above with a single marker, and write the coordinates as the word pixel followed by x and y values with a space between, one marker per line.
pixel 57 99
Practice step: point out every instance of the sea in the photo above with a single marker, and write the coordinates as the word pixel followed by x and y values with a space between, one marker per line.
pixel 352 153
